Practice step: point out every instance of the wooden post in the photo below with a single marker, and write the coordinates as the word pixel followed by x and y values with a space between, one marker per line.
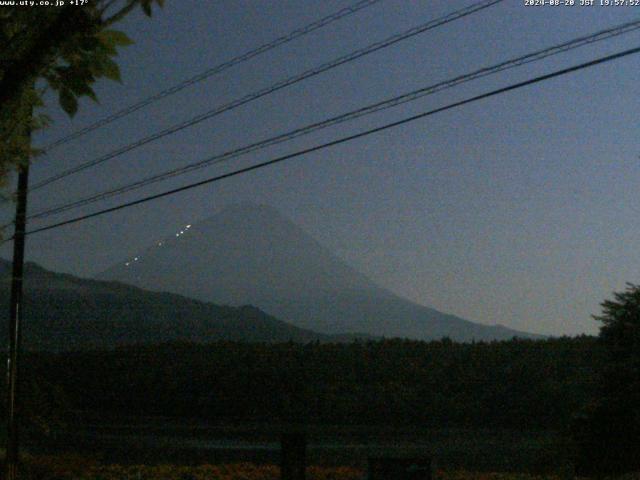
pixel 293 462
pixel 15 332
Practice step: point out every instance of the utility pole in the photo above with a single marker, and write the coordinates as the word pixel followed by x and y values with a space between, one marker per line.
pixel 15 317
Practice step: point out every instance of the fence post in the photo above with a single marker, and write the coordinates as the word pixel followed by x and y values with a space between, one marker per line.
pixel 293 462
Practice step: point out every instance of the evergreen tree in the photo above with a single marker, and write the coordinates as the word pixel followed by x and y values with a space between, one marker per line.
pixel 608 431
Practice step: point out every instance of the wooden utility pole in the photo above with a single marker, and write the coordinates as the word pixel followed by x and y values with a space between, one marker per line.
pixel 15 317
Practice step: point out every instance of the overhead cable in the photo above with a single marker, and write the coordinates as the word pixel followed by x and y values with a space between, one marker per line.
pixel 515 86
pixel 352 115
pixel 299 32
pixel 271 89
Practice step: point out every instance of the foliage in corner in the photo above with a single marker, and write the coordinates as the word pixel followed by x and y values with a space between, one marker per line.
pixel 70 48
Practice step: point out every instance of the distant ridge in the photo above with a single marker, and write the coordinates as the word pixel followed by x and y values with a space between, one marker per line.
pixel 251 254
pixel 64 313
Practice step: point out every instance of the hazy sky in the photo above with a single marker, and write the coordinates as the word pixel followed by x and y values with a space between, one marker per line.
pixel 521 209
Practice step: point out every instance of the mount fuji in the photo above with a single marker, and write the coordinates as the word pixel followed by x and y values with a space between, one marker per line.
pixel 252 255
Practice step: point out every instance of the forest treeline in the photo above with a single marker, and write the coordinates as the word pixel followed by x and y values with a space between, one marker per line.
pixel 533 384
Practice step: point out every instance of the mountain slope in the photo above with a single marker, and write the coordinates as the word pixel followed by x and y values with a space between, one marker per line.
pixel 63 312
pixel 249 254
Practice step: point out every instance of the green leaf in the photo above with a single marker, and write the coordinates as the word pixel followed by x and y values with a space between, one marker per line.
pixel 91 94
pixel 146 7
pixel 114 37
pixel 106 48
pixel 40 121
pixel 88 43
pixel 110 69
pixel 80 87
pixel 68 101
pixel 53 80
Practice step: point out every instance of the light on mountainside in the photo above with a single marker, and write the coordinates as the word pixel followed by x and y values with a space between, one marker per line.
pixel 252 255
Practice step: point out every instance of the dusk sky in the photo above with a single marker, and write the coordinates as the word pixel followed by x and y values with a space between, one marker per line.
pixel 522 209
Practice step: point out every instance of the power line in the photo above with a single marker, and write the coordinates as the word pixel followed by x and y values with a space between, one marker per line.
pixel 365 133
pixel 299 32
pixel 367 110
pixel 273 88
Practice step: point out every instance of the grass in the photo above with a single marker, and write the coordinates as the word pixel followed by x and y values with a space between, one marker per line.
pixel 73 467
pixel 79 467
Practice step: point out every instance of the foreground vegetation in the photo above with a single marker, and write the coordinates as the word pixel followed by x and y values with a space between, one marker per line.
pixel 518 384
pixel 473 405
pixel 584 386
pixel 74 467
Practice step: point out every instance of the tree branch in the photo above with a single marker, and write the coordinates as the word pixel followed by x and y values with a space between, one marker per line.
pixel 124 11
pixel 25 70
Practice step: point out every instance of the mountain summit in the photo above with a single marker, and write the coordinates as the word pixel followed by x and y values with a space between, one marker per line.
pixel 252 254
